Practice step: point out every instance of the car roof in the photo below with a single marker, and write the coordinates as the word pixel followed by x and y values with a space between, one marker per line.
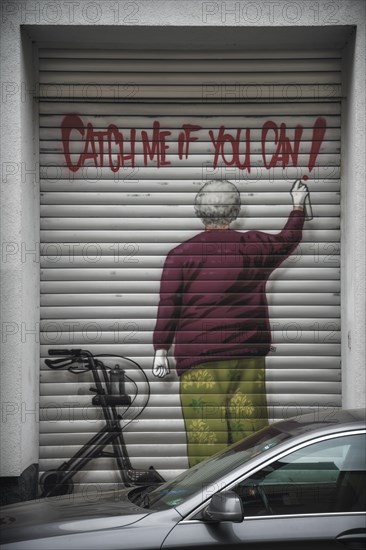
pixel 335 418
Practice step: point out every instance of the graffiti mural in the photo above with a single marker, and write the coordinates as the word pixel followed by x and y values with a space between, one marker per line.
pixel 213 306
pixel 213 313
pixel 204 248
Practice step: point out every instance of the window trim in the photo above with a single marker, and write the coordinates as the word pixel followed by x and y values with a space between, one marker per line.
pixel 358 431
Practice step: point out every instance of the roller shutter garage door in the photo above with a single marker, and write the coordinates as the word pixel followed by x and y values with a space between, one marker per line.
pixel 127 138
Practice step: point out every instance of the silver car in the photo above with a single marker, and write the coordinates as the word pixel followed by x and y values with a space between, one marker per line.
pixel 298 484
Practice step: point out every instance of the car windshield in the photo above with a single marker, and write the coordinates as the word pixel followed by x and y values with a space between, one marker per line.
pixel 204 475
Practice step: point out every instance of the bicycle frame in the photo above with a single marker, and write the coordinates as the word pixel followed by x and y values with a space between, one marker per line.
pixel 59 481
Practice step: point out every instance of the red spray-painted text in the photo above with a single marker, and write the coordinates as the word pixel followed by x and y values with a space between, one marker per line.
pixel 116 149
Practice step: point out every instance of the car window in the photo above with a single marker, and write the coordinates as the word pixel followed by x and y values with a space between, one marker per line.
pixel 202 478
pixel 324 477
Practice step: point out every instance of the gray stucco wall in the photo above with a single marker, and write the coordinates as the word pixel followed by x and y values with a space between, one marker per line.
pixel 20 258
pixel 353 223
pixel 259 22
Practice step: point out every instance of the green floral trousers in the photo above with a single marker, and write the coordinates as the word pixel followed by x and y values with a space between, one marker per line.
pixel 222 402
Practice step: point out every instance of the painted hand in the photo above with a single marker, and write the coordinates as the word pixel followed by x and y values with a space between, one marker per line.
pixel 161 363
pixel 299 192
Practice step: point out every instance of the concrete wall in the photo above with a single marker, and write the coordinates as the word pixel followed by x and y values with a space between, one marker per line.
pixel 20 255
pixel 260 24
pixel 353 223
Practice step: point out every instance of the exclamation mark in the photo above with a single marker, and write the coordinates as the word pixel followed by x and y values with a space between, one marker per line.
pixel 318 135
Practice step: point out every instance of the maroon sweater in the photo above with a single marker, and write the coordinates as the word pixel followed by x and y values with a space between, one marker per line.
pixel 212 297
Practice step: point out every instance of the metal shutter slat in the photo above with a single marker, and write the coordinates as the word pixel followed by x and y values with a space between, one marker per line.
pixel 107 54
pixel 188 65
pixel 181 114
pixel 50 188
pixel 240 78
pixel 66 287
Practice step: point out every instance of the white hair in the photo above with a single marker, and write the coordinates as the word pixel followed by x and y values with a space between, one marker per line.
pixel 217 203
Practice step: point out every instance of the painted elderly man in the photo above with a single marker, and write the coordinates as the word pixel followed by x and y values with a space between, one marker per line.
pixel 213 307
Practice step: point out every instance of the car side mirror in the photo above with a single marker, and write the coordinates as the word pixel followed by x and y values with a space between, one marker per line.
pixel 224 506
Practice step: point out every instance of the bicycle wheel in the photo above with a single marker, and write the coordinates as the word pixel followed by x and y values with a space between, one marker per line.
pixel 52 485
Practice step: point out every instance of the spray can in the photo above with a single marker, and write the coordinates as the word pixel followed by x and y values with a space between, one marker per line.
pixel 117 380
pixel 308 211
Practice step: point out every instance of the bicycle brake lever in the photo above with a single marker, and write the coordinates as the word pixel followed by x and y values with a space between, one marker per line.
pixel 78 370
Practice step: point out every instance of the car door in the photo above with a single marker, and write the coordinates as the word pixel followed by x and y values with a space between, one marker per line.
pixel 310 498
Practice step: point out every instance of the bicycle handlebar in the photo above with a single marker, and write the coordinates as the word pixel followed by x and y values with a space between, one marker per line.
pixel 64 351
pixel 67 358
